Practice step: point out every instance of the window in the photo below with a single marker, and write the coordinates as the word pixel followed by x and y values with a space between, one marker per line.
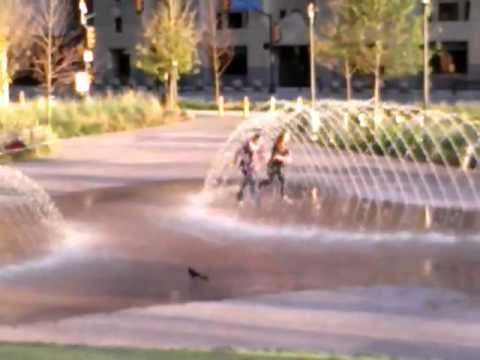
pixel 239 63
pixel 467 11
pixel 121 64
pixel 91 10
pixel 237 20
pixel 452 59
pixel 118 24
pixel 448 11
pixel 117 15
pixel 283 13
pixel 219 21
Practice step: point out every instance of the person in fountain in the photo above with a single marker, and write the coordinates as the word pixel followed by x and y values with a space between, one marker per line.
pixel 250 157
pixel 280 156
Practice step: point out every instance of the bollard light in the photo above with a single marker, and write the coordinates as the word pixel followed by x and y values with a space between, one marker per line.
pixel 299 105
pixel 469 158
pixel 378 119
pixel 21 97
pixel 362 119
pixel 246 107
pixel 346 121
pixel 428 218
pixel 315 121
pixel 273 104
pixel 221 106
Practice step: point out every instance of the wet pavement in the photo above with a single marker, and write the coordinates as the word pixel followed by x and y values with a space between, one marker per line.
pixel 136 225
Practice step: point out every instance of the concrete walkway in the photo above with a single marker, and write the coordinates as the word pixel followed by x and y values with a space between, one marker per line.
pixel 177 151
pixel 402 321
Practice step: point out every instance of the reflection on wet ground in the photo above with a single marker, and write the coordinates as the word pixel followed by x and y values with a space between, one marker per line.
pixel 135 246
pixel 310 208
pixel 24 234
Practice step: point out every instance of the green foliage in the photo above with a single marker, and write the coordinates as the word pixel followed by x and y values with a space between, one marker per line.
pixel 170 36
pixel 391 31
pixel 440 138
pixel 77 118
pixel 50 352
pixel 229 105
pixel 380 38
pixel 341 38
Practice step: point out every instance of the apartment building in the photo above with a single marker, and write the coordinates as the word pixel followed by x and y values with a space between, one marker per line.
pixel 250 34
pixel 454 27
pixel 119 27
pixel 454 24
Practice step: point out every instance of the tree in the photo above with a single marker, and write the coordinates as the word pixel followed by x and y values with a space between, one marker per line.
pixel 56 48
pixel 340 42
pixel 218 48
pixel 392 38
pixel 14 36
pixel 169 45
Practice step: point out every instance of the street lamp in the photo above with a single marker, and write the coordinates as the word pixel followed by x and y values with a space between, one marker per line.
pixel 426 54
pixel 272 87
pixel 311 18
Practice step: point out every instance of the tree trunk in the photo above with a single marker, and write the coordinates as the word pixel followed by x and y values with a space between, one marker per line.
pixel 49 83
pixel 378 78
pixel 172 73
pixel 4 86
pixel 348 80
pixel 172 93
pixel 215 74
pixel 217 94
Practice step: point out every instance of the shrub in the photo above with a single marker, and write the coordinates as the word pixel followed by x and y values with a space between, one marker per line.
pixel 72 118
pixel 440 136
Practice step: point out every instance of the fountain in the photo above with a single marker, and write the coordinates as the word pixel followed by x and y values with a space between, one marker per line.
pixel 30 224
pixel 382 197
pixel 361 168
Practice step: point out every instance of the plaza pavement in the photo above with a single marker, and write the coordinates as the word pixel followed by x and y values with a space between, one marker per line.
pixel 177 151
pixel 403 321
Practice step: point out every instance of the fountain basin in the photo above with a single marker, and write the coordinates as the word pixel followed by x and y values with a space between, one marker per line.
pixel 143 239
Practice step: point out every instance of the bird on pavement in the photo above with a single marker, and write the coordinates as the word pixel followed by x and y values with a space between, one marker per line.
pixel 195 274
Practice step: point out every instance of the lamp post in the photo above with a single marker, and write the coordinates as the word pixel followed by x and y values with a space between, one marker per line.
pixel 426 54
pixel 272 54
pixel 311 18
pixel 88 54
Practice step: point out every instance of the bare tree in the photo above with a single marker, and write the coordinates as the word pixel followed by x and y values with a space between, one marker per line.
pixel 14 36
pixel 56 48
pixel 218 47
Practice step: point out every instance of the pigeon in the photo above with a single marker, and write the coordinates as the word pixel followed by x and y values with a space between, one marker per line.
pixel 195 274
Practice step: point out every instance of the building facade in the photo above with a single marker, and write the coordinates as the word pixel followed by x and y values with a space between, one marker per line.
pixel 454 25
pixel 119 28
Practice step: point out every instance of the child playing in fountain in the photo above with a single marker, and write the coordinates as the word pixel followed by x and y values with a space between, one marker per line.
pixel 279 158
pixel 249 158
